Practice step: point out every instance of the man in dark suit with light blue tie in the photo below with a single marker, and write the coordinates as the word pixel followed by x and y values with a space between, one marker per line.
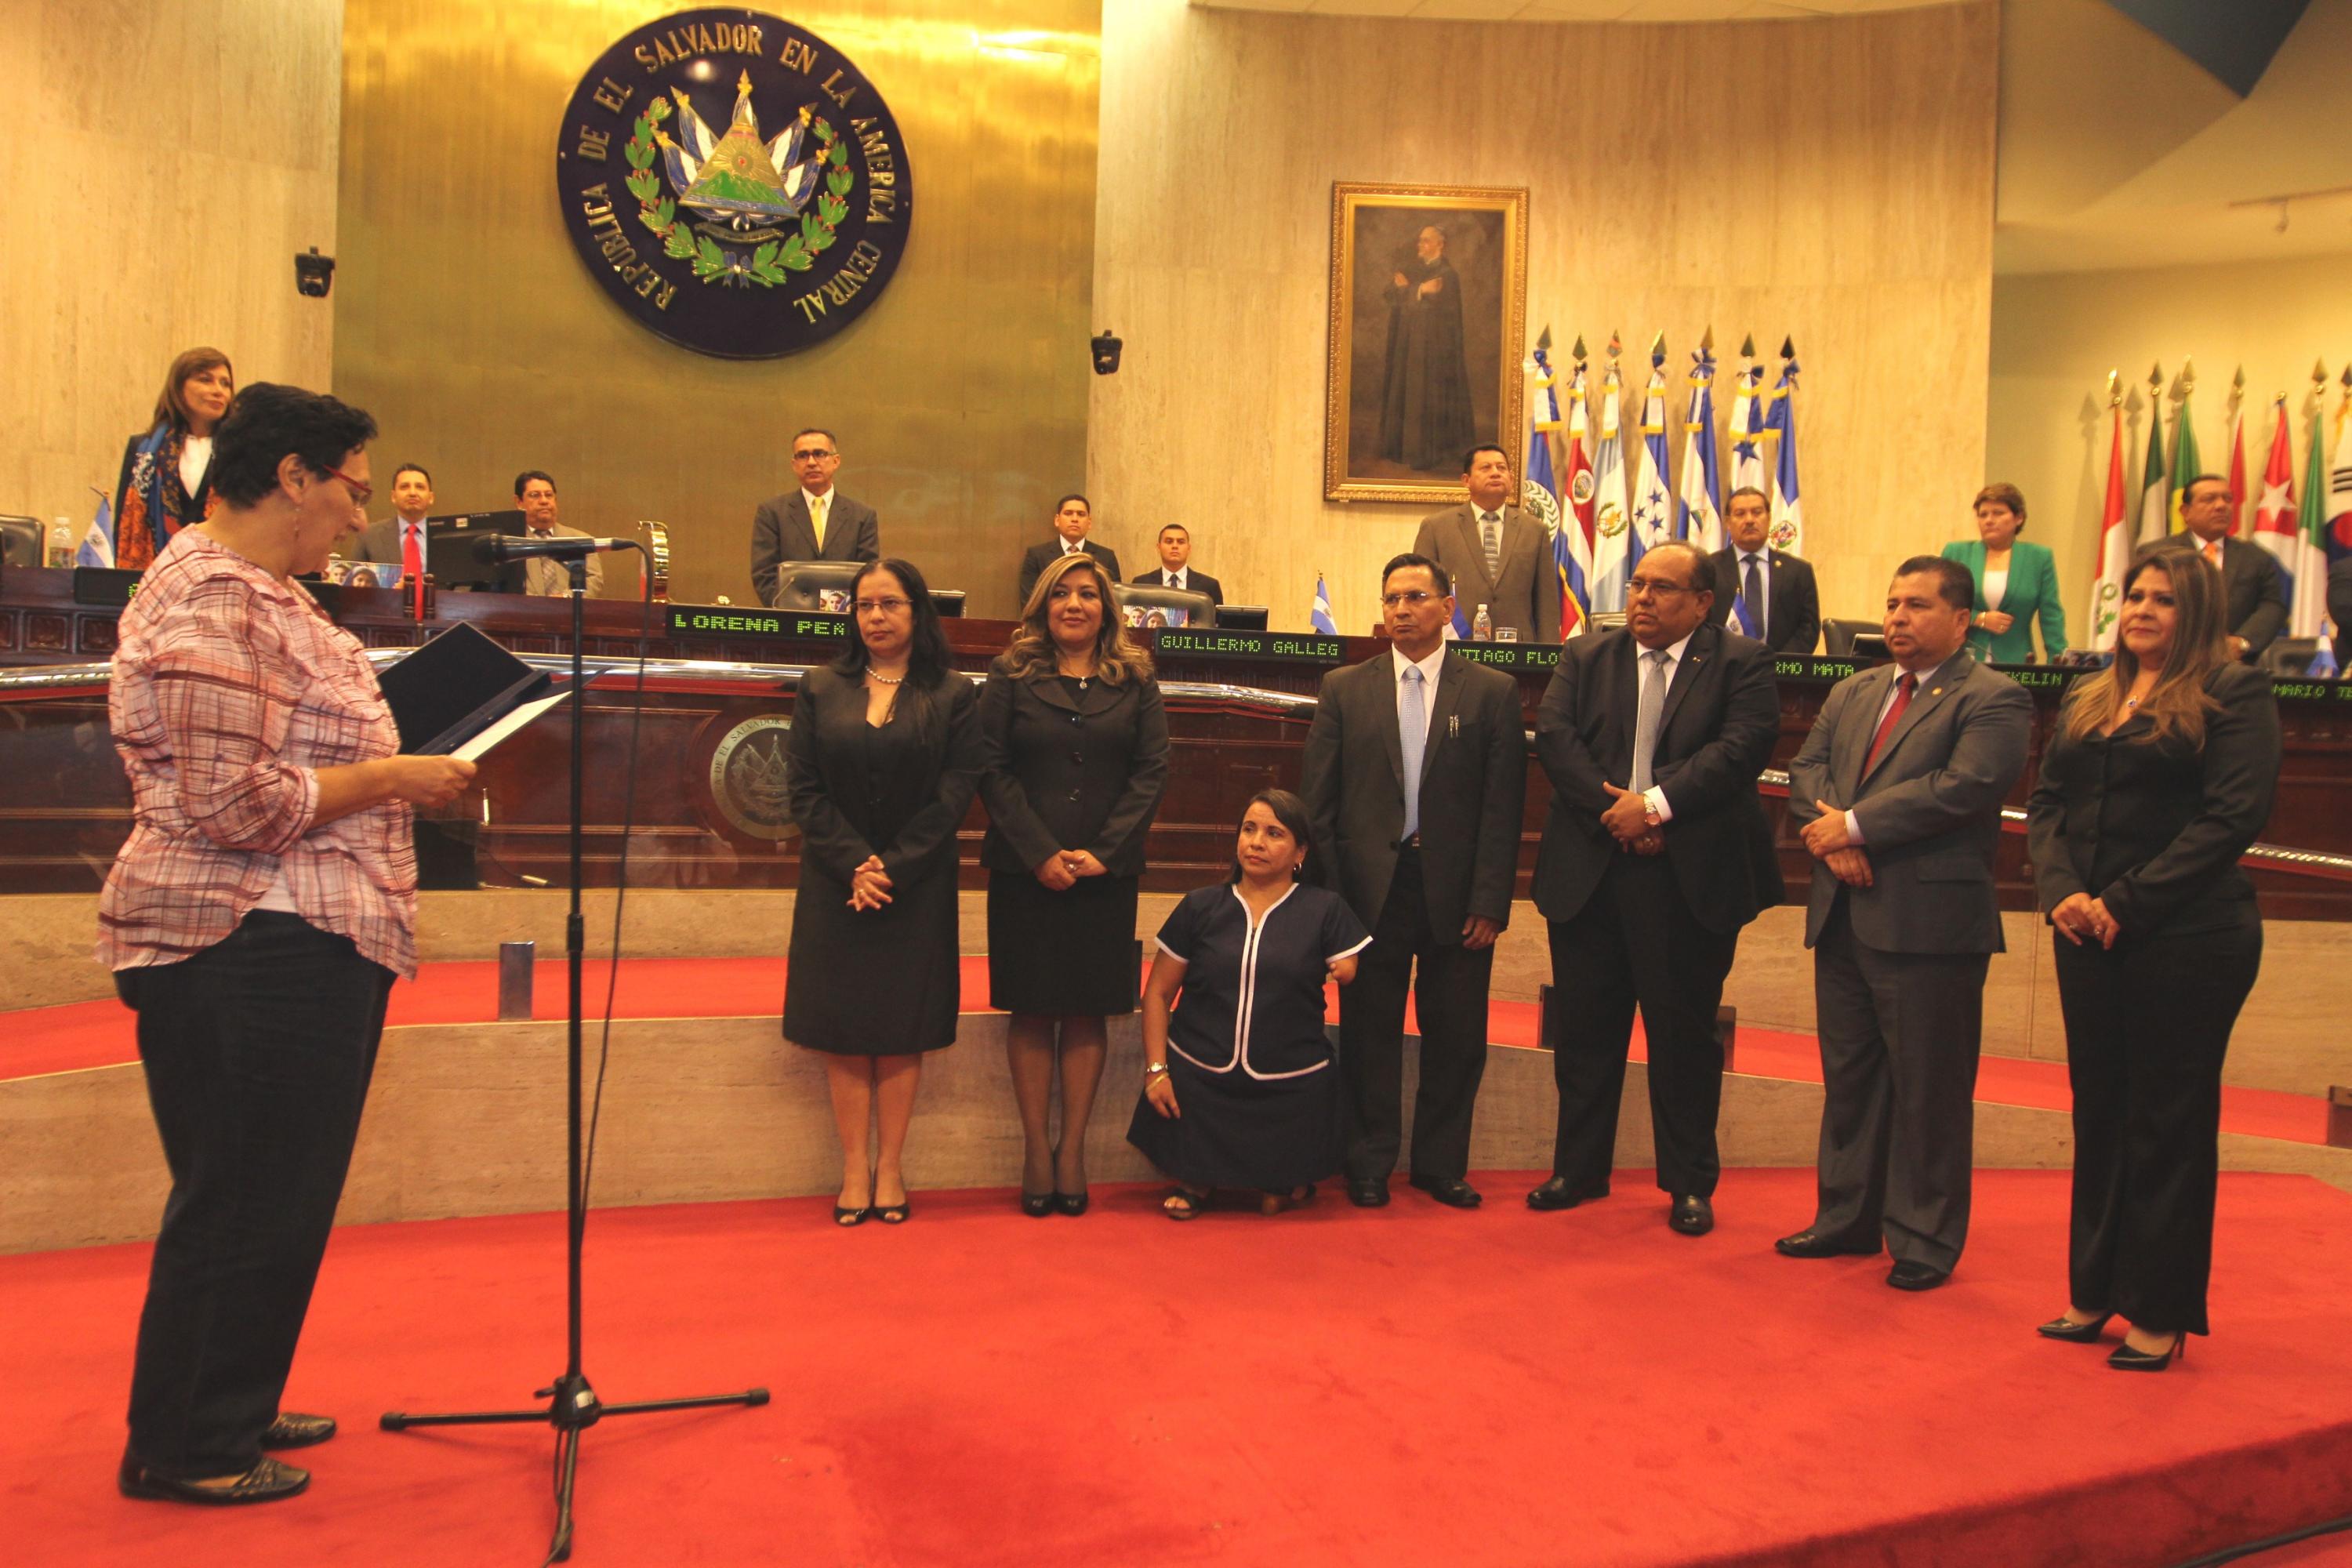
pixel 1898 791
pixel 1761 593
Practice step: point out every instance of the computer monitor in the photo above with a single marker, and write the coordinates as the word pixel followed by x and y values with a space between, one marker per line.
pixel 823 585
pixel 1870 645
pixel 949 601
pixel 1150 608
pixel 450 552
pixel 20 542
pixel 1240 617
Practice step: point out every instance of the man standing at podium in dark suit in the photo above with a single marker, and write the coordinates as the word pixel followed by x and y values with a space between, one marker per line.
pixel 814 522
pixel 400 537
pixel 2256 609
pixel 547 579
pixel 1656 855
pixel 1898 791
pixel 1072 517
pixel 1768 595
pixel 1175 569
pixel 1415 778
pixel 1497 554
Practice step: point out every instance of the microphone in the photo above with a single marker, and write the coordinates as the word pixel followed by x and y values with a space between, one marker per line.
pixel 503 547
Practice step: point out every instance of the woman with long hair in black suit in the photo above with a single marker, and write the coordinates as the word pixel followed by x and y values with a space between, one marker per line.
pixel 1077 744
pixel 882 762
pixel 2160 774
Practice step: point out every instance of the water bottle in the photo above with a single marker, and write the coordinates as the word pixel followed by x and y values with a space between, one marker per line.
pixel 1482 627
pixel 61 543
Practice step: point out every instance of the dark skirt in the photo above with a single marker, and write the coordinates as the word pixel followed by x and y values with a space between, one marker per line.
pixel 873 983
pixel 1072 952
pixel 1237 1132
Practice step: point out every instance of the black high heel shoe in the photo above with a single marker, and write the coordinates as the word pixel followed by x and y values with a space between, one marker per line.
pixel 1071 1204
pixel 2127 1358
pixel 2074 1333
pixel 1037 1205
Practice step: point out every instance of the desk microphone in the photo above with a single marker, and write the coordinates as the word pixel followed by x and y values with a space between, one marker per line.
pixel 503 547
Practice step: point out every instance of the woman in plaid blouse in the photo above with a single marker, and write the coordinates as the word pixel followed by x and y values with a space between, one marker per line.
pixel 254 920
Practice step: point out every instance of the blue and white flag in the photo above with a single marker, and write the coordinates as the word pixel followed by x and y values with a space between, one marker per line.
pixel 1612 528
pixel 1654 504
pixel 1746 429
pixel 1696 517
pixel 1320 616
pixel 1788 529
pixel 1540 495
pixel 98 544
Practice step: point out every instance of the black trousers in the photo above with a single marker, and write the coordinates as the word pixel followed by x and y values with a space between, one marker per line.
pixel 1450 999
pixel 258 1051
pixel 1635 941
pixel 2146 1028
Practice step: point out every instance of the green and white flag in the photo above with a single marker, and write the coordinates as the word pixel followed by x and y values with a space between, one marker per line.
pixel 2154 488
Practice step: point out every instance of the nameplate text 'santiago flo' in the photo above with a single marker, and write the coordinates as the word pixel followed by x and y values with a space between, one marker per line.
pixel 734 182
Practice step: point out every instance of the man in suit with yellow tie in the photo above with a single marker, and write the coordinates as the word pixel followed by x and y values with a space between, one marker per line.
pixel 1497 554
pixel 814 522
pixel 2256 611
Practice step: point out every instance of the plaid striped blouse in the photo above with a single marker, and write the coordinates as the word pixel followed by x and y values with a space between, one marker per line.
pixel 229 688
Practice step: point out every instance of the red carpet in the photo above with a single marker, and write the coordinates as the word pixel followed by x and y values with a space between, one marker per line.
pixel 1330 1387
pixel 98 1033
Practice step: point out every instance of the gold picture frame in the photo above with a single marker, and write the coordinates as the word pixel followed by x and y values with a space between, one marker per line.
pixel 1415 378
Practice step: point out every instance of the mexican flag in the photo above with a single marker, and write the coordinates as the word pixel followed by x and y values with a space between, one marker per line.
pixel 2155 495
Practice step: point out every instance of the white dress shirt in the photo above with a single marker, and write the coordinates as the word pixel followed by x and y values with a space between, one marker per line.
pixel 195 457
pixel 1643 670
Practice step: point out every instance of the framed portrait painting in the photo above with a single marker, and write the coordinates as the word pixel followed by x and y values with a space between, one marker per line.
pixel 1429 294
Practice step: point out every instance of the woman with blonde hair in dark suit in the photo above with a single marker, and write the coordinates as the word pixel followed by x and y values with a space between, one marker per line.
pixel 1076 753
pixel 2160 774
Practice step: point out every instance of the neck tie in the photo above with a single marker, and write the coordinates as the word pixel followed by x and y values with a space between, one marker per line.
pixel 817 509
pixel 1412 729
pixel 1177 581
pixel 1902 690
pixel 1491 533
pixel 2214 552
pixel 1650 704
pixel 411 549
pixel 1751 600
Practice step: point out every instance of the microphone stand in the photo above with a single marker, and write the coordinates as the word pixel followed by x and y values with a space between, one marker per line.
pixel 573 1406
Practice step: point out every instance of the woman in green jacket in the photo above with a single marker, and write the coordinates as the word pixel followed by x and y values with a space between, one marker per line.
pixel 2016 583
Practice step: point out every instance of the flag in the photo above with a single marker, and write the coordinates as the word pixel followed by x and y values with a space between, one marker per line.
pixel 1575 534
pixel 98 544
pixel 1610 531
pixel 1319 617
pixel 2155 498
pixel 2115 545
pixel 1539 493
pixel 1788 531
pixel 1697 515
pixel 2275 510
pixel 1747 429
pixel 2237 467
pixel 2306 599
pixel 1654 504
pixel 2186 464
pixel 2336 541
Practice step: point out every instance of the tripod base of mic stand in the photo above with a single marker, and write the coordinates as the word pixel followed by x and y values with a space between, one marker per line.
pixel 571 1408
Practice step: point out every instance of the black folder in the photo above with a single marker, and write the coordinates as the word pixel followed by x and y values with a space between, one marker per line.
pixel 456 687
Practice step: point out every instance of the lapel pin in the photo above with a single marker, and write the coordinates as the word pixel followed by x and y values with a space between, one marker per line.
pixel 1454 725
pixel 1935 691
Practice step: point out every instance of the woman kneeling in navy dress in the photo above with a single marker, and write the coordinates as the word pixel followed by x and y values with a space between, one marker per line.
pixel 1238 1087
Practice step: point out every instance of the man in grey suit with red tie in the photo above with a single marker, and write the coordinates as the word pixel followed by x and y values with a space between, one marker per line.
pixel 1415 781
pixel 1656 855
pixel 812 522
pixel 1898 790
pixel 1496 555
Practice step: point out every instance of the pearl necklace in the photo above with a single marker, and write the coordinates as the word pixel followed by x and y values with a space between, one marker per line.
pixel 875 674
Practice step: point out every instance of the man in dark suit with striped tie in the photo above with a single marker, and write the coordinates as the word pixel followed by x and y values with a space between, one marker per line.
pixel 1768 595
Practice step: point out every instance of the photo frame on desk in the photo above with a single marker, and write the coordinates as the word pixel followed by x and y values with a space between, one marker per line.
pixel 1428 323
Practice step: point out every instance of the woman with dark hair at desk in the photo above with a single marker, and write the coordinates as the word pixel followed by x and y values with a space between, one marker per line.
pixel 1078 755
pixel 254 920
pixel 2160 774
pixel 166 482
pixel 883 759
pixel 1239 1089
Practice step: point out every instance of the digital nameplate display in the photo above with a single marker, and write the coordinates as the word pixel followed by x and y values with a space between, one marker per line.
pixel 768 626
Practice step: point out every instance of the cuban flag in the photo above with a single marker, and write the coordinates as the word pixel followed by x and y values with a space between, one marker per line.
pixel 1612 519
pixel 1319 617
pixel 98 544
pixel 1539 493
pixel 1788 529
pixel 1697 518
pixel 1654 504
pixel 2277 515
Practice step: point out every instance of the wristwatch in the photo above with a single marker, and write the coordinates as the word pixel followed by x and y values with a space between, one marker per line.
pixel 1650 812
pixel 1154 1069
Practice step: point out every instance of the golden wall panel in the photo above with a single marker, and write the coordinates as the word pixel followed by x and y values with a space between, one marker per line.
pixel 196 142
pixel 479 340
pixel 1830 179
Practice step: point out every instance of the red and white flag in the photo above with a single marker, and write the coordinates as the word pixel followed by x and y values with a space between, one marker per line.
pixel 2115 546
pixel 2237 468
pixel 2274 508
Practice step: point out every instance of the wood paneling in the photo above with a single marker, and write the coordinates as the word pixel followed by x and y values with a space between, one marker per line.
pixel 1828 179
pixel 172 159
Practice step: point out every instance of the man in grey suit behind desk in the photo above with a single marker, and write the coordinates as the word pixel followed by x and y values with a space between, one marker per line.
pixel 1899 788
pixel 812 522
pixel 1415 779
pixel 1497 554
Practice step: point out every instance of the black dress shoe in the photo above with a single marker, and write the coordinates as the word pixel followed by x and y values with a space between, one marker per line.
pixel 1691 1215
pixel 266 1482
pixel 292 1430
pixel 2074 1333
pixel 1071 1204
pixel 1368 1192
pixel 1556 1194
pixel 1917 1276
pixel 2127 1358
pixel 1451 1190
pixel 1037 1205
pixel 1810 1243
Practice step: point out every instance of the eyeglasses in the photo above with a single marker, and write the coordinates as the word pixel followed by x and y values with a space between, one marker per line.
pixel 1655 589
pixel 886 606
pixel 810 455
pixel 360 492
pixel 1416 597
